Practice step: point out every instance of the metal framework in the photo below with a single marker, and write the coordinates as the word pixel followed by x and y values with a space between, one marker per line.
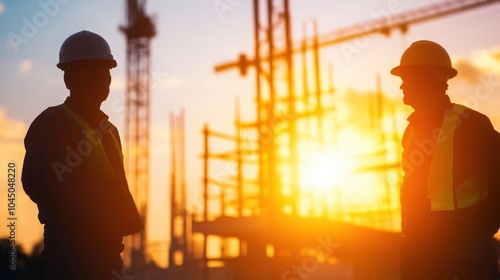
pixel 382 25
pixel 257 219
pixel 138 30
pixel 251 210
pixel 179 218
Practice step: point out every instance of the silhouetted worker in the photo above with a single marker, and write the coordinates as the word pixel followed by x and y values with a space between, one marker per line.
pixel 449 197
pixel 73 170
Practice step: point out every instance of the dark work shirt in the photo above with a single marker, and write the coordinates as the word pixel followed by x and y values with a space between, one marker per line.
pixel 75 200
pixel 475 156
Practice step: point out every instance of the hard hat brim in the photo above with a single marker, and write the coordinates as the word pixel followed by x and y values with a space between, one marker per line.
pixel 111 62
pixel 401 69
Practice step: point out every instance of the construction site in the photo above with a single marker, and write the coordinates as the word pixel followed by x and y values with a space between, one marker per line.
pixel 281 212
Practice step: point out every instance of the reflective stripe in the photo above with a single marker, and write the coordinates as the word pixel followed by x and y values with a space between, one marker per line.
pixel 440 187
pixel 440 180
pixel 470 193
pixel 97 157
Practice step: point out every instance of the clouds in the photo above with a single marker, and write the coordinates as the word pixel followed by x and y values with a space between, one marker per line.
pixel 10 130
pixel 478 82
pixel 488 60
pixel 481 63
pixel 467 71
pixel 2 8
pixel 11 139
pixel 11 150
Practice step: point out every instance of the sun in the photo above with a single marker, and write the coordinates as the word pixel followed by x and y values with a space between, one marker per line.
pixel 323 172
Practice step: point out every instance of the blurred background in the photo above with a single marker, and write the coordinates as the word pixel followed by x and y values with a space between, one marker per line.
pixel 262 138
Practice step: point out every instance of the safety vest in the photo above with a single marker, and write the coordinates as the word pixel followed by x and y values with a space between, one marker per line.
pixel 97 159
pixel 121 216
pixel 440 186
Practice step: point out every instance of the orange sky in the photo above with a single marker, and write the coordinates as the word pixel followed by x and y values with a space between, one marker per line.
pixel 192 39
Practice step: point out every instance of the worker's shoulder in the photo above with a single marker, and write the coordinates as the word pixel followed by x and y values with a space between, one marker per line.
pixel 475 118
pixel 51 118
pixel 111 124
pixel 468 112
pixel 49 125
pixel 107 124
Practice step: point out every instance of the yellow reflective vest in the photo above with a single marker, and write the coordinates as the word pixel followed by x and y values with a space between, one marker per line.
pixel 97 158
pixel 441 190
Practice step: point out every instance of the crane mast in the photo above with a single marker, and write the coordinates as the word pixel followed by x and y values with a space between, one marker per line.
pixel 139 30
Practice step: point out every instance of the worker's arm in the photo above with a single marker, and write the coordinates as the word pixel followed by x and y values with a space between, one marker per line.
pixel 494 186
pixel 484 163
pixel 48 172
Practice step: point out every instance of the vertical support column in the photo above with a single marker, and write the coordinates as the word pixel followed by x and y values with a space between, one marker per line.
pixel 182 171
pixel 291 110
pixel 260 146
pixel 271 150
pixel 205 197
pixel 173 186
pixel 317 73
pixel 305 79
pixel 239 158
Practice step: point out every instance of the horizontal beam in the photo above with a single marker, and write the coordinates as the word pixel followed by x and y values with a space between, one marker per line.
pixel 375 26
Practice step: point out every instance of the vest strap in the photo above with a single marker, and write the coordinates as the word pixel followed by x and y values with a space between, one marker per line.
pixel 440 186
pixel 442 192
pixel 98 161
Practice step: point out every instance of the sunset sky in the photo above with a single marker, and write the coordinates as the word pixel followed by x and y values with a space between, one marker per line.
pixel 192 37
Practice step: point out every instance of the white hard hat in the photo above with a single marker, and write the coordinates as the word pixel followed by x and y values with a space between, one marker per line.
pixel 425 54
pixel 85 45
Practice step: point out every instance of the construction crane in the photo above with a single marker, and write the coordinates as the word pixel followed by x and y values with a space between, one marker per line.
pixel 139 30
pixel 261 232
pixel 382 25
pixel 274 51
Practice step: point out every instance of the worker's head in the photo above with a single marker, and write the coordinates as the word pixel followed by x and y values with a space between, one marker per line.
pixel 86 60
pixel 425 68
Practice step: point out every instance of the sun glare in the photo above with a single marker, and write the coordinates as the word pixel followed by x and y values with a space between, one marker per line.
pixel 323 172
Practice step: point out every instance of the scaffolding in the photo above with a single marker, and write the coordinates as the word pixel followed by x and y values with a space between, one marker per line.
pixel 256 220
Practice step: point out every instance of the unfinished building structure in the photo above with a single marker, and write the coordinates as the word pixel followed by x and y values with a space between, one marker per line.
pixel 257 221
